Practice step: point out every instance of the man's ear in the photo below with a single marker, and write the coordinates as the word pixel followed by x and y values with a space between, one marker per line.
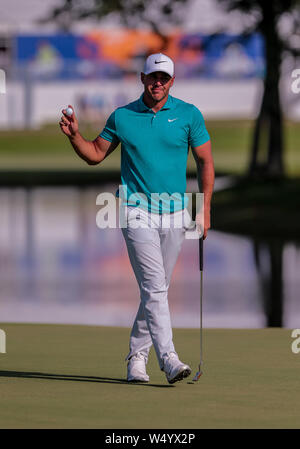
pixel 142 77
pixel 172 81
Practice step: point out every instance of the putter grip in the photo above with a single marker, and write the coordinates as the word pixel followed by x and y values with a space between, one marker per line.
pixel 201 254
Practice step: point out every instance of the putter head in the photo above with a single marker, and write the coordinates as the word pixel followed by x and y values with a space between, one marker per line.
pixel 197 376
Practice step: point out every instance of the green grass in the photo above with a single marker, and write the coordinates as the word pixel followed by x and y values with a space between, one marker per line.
pixel 56 376
pixel 47 148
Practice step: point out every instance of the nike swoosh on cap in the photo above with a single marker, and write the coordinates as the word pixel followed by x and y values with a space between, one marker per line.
pixel 159 62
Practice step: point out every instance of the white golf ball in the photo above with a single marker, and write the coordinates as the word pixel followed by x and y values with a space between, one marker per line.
pixel 69 111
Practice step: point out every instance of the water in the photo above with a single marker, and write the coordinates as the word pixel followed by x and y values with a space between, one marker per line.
pixel 56 266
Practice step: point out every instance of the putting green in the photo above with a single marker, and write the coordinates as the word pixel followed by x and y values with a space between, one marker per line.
pixel 63 376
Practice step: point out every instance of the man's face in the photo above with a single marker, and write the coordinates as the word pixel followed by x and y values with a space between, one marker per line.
pixel 157 84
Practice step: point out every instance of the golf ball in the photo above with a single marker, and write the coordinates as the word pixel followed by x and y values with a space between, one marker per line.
pixel 69 111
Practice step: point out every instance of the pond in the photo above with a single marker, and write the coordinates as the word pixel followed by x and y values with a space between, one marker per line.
pixel 57 266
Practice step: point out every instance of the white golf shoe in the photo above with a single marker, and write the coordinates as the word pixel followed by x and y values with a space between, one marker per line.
pixel 174 369
pixel 136 369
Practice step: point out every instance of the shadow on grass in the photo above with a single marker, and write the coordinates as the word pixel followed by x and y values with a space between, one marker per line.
pixel 70 377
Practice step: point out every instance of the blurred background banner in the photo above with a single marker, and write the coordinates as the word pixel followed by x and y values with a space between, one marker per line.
pixel 119 54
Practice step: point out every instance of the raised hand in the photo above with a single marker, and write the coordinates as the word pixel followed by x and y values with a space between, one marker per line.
pixel 68 124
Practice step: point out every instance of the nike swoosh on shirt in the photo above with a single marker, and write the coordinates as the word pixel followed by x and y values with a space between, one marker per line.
pixel 172 119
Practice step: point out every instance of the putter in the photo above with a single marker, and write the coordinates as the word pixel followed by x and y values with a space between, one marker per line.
pixel 200 372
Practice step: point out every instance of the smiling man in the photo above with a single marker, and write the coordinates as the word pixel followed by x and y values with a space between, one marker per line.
pixel 155 132
pixel 157 84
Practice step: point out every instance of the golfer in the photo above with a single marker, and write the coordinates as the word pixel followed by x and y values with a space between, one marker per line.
pixel 155 133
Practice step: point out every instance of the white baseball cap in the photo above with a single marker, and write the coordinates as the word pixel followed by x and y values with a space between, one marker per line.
pixel 158 62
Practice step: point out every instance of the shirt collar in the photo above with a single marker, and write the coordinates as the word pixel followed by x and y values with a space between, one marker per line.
pixel 143 107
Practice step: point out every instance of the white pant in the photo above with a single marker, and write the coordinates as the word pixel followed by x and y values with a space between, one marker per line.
pixel 153 248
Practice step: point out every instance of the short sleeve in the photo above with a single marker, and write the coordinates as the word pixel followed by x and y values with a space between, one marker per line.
pixel 109 132
pixel 198 133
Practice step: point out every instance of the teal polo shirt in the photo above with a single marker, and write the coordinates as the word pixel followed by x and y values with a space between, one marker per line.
pixel 154 151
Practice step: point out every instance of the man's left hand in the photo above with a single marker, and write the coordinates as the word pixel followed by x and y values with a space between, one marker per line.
pixel 203 223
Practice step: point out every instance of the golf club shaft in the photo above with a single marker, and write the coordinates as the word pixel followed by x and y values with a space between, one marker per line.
pixel 201 297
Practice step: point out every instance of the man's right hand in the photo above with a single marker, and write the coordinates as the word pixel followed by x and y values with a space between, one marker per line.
pixel 92 152
pixel 69 124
